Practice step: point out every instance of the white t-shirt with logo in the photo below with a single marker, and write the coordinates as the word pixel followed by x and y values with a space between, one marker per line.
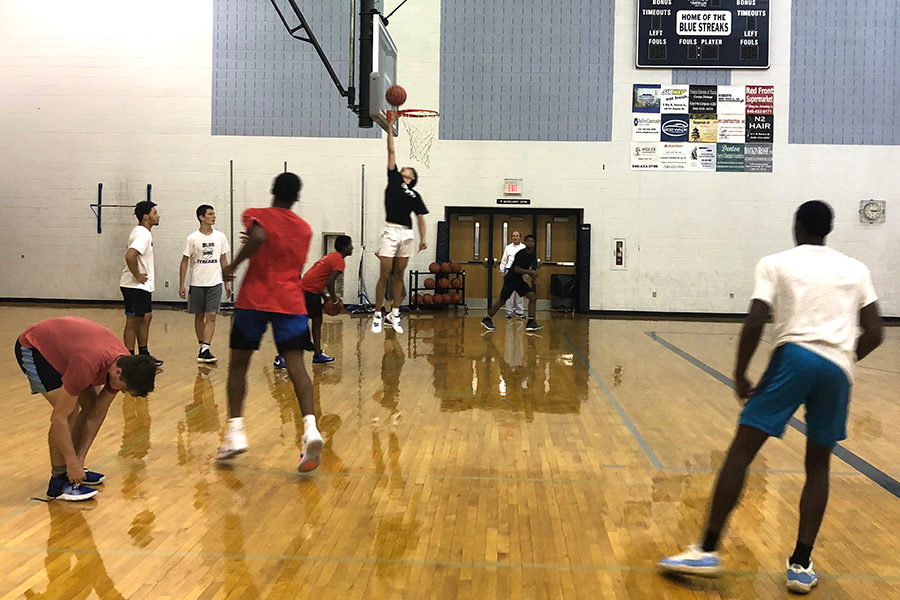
pixel 141 240
pixel 509 255
pixel 205 252
pixel 816 293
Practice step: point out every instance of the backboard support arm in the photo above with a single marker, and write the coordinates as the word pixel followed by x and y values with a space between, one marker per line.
pixel 350 91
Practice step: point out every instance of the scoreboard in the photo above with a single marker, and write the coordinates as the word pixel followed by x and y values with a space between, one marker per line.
pixel 703 34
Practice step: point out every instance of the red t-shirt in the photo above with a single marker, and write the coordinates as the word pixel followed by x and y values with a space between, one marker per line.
pixel 315 279
pixel 80 350
pixel 272 282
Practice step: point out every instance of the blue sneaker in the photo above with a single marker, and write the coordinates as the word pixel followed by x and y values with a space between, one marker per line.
pixel 61 488
pixel 279 363
pixel 92 478
pixel 488 323
pixel 321 358
pixel 692 561
pixel 800 580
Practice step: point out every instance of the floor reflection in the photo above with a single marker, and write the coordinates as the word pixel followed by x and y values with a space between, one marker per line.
pixel 201 415
pixel 509 369
pixel 74 566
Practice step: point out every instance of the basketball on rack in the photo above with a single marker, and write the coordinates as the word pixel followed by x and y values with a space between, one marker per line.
pixel 434 267
pixel 333 309
pixel 429 283
pixel 456 283
pixel 446 268
pixel 395 95
pixel 427 299
pixel 443 283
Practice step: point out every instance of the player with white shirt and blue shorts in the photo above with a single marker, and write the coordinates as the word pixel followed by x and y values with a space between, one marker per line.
pixel 819 300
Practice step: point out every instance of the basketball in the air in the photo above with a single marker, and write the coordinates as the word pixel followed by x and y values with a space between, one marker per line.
pixel 395 95
pixel 332 309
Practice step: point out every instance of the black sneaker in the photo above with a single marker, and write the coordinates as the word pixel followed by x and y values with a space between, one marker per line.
pixel 532 325
pixel 159 363
pixel 509 315
pixel 488 323
pixel 206 357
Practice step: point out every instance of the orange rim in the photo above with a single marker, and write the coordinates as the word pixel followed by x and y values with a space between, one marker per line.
pixel 417 112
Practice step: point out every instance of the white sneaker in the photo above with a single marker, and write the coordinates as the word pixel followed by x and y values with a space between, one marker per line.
pixel 693 561
pixel 393 321
pixel 376 323
pixel 311 452
pixel 235 443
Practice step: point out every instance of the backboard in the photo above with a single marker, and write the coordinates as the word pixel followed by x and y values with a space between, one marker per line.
pixel 384 73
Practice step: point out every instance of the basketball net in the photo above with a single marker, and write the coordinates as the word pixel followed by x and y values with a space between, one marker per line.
pixel 421 127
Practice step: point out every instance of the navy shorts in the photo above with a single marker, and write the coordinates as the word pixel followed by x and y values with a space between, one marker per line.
pixel 137 302
pixel 40 373
pixel 798 376
pixel 291 332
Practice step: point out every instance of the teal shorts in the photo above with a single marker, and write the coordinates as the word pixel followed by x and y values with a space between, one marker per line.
pixel 798 376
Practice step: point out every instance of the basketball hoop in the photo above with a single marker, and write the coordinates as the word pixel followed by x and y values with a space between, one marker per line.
pixel 421 126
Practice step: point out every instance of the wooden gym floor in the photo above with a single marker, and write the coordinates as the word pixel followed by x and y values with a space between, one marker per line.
pixel 458 464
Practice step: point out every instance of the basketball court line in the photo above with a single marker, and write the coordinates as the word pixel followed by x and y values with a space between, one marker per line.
pixel 106 552
pixel 649 452
pixel 651 456
pixel 867 469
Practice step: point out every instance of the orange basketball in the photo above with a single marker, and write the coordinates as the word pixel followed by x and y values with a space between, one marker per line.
pixel 456 283
pixel 395 95
pixel 445 268
pixel 427 299
pixel 429 283
pixel 333 309
pixel 416 299
pixel 440 298
pixel 443 283
pixel 457 298
pixel 456 267
pixel 434 267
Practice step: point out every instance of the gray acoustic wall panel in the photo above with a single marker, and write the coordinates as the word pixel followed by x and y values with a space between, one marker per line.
pixel 520 71
pixel 701 76
pixel 266 83
pixel 845 61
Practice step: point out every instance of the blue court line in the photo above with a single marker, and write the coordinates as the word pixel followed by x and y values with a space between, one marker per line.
pixel 872 472
pixel 612 400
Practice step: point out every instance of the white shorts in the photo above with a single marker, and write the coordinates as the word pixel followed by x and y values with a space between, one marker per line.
pixel 396 240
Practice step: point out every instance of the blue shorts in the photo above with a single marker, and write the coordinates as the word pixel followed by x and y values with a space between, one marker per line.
pixel 41 374
pixel 291 332
pixel 798 376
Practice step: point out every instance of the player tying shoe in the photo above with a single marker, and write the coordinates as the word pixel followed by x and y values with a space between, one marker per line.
pixel 66 359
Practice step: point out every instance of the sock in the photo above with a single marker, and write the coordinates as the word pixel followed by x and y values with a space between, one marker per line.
pixel 710 542
pixel 236 424
pixel 378 314
pixel 143 350
pixel 204 346
pixel 801 555
pixel 58 471
pixel 395 312
pixel 309 423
